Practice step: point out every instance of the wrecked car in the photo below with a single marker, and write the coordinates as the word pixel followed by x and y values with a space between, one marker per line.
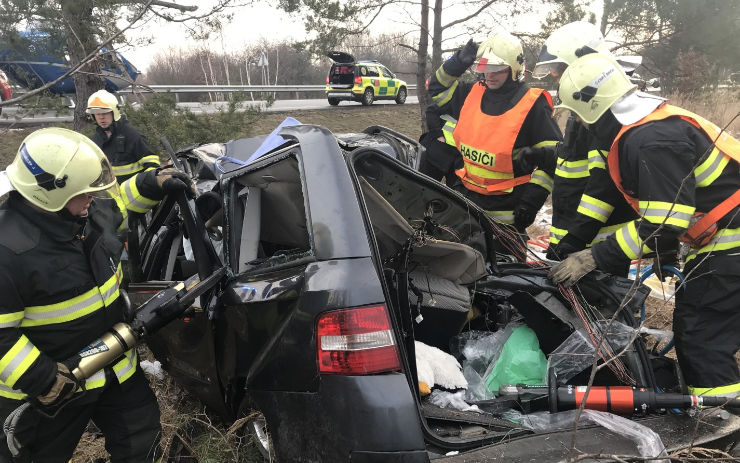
pixel 341 262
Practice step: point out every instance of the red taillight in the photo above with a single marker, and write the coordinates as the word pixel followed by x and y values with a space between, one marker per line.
pixel 356 342
pixel 327 79
pixel 358 80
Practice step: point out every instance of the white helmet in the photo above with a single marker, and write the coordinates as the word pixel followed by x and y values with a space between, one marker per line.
pixel 103 101
pixel 499 51
pixel 591 85
pixel 53 165
pixel 566 44
pixel 595 83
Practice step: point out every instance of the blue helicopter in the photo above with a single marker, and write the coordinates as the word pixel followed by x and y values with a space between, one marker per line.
pixel 42 63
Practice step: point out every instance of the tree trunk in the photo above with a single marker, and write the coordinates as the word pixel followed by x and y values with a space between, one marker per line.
pixel 421 64
pixel 80 43
pixel 437 36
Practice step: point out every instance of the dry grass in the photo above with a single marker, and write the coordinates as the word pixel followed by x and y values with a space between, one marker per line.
pixel 721 107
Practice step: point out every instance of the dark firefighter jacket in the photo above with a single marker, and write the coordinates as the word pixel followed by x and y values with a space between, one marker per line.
pixel 587 206
pixel 539 129
pixel 59 282
pixel 127 149
pixel 671 168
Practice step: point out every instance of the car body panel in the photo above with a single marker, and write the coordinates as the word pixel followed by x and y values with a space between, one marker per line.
pixel 375 413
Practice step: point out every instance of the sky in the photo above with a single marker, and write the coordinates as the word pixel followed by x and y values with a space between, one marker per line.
pixel 250 25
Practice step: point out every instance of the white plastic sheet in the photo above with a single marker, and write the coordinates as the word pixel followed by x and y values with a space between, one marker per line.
pixel 648 442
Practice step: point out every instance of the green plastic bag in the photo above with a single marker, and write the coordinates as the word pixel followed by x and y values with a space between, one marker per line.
pixel 521 362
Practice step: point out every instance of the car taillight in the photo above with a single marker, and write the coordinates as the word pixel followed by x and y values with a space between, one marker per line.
pixel 356 341
pixel 358 80
pixel 327 79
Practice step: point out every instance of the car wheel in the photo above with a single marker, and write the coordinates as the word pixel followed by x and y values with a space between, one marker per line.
pixel 257 429
pixel 401 97
pixel 333 101
pixel 368 97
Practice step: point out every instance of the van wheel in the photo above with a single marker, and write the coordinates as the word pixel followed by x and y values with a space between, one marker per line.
pixel 333 101
pixel 257 429
pixel 401 97
pixel 368 97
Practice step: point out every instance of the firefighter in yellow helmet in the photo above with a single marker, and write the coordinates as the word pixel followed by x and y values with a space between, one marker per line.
pixel 680 173
pixel 586 206
pixel 503 129
pixel 126 148
pixel 59 275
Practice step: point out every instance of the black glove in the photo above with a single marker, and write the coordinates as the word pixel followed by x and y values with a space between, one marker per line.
pixel 664 259
pixel 524 216
pixel 64 386
pixel 174 181
pixel 527 159
pixel 567 246
pixel 467 54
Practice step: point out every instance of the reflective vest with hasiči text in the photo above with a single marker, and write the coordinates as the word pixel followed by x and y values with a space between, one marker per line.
pixel 487 143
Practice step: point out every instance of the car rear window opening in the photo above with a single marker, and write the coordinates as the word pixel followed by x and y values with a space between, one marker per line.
pixel 343 69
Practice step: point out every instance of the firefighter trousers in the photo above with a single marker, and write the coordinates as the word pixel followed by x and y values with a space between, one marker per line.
pixel 706 321
pixel 127 415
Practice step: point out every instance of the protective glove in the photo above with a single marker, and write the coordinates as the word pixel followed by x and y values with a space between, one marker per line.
pixel 572 269
pixel 524 216
pixel 467 54
pixel 527 159
pixel 64 386
pixel 663 259
pixel 567 246
pixel 174 181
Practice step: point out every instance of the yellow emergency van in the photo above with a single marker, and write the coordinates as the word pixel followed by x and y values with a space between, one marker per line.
pixel 364 81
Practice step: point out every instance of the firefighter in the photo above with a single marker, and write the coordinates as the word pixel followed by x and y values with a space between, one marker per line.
pixel 503 129
pixel 441 159
pixel 680 173
pixel 127 149
pixel 59 279
pixel 586 206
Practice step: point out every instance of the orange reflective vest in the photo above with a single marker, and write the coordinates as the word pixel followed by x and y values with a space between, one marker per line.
pixel 487 143
pixel 729 146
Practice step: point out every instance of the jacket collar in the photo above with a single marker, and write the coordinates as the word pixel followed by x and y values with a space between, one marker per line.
pixel 52 224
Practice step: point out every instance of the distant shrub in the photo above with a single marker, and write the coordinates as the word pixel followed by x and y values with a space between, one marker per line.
pixel 159 116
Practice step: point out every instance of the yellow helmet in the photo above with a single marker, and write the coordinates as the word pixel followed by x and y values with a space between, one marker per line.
pixel 566 44
pixel 591 85
pixel 103 101
pixel 499 51
pixel 53 165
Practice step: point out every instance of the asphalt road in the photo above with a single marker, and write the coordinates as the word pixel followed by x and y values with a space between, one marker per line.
pixel 18 117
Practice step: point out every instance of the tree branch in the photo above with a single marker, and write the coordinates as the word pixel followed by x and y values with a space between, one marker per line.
pixel 92 55
pixel 471 15
pixel 173 5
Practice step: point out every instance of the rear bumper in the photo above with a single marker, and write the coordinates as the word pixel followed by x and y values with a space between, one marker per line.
pixel 351 418
pixel 344 94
